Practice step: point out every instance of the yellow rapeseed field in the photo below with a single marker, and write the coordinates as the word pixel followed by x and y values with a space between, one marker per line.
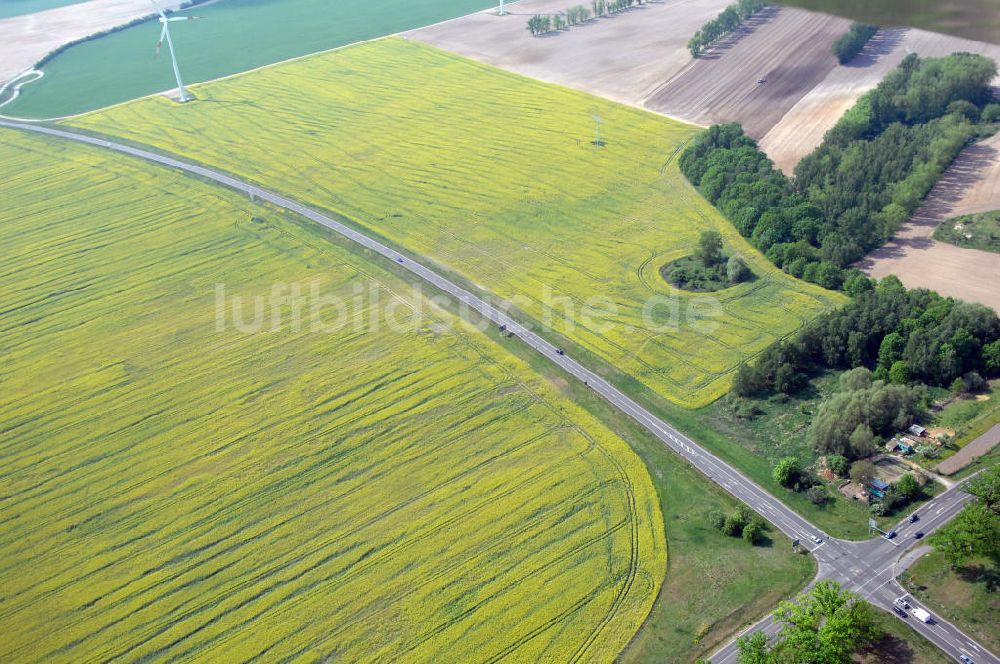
pixel 495 176
pixel 178 487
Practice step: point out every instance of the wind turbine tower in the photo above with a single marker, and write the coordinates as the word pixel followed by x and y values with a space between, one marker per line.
pixel 502 12
pixel 165 34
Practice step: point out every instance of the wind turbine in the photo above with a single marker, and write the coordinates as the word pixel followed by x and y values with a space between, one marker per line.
pixel 165 34
pixel 502 12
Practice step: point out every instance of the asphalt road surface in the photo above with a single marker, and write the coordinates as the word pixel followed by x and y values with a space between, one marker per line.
pixel 865 567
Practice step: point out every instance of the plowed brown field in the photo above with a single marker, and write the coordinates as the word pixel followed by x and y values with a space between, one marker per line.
pixel 972 184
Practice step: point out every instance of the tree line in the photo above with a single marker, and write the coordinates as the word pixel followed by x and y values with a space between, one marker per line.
pixel 731 18
pixel 868 176
pixel 904 337
pixel 540 24
pixel 851 42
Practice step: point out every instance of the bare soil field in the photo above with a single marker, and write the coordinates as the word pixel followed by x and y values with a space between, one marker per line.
pixel 25 39
pixel 623 57
pixel 981 192
pixel 920 261
pixel 803 126
pixel 788 48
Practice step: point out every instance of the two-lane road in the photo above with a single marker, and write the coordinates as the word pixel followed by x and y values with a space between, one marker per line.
pixel 850 563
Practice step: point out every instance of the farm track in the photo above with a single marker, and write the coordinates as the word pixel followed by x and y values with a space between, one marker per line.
pixel 854 564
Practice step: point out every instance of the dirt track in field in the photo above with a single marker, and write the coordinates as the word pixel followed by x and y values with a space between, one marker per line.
pixel 26 39
pixel 622 57
pixel 790 48
pixel 802 128
pixel 970 185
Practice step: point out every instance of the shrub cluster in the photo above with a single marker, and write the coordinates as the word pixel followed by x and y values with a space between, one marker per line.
pixel 869 175
pixel 730 19
pixel 902 336
pixel 708 269
pixel 741 522
pixel 851 42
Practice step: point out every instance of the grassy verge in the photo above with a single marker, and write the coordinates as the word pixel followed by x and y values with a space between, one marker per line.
pixel 972 231
pixel 969 418
pixel 967 597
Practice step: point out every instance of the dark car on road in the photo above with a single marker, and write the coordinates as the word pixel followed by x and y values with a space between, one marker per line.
pixel 913 518
pixel 899 612
pixel 890 534
pixel 918 534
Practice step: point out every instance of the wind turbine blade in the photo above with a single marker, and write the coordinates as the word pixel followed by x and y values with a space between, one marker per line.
pixel 163 35
pixel 182 18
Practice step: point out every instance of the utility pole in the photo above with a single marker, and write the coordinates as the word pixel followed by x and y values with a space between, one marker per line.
pixel 597 119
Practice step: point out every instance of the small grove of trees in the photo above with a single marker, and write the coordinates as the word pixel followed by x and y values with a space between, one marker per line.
pixel 741 522
pixel 827 624
pixel 730 19
pixel 708 268
pixel 849 422
pixel 976 530
pixel 851 42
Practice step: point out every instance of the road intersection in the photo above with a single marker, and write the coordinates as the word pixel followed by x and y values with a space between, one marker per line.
pixel 868 567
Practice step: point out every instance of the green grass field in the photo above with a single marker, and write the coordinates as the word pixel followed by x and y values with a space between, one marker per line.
pixel 233 36
pixel 10 8
pixel 493 176
pixel 967 597
pixel 974 231
pixel 176 489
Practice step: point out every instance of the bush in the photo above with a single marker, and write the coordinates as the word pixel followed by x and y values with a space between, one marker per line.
pixel 817 495
pixel 907 487
pixel 737 270
pixel 863 472
pixel 990 113
pixel 850 43
pixel 838 464
pixel 786 471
